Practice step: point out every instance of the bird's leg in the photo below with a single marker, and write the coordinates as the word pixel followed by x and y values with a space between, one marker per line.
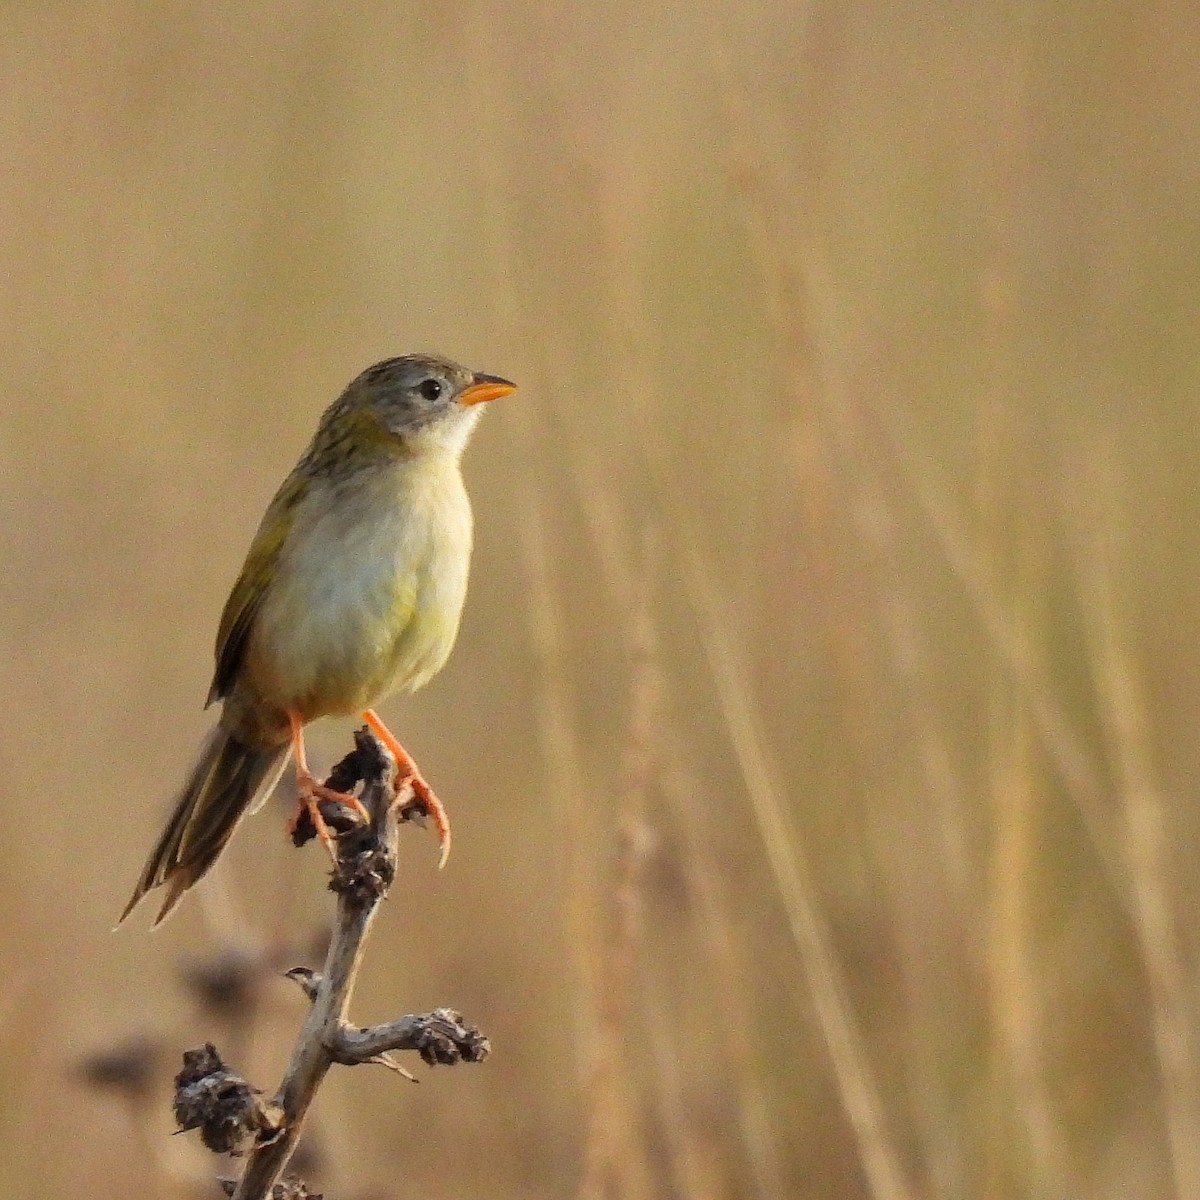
pixel 406 772
pixel 311 791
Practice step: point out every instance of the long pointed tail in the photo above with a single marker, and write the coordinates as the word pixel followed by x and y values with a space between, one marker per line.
pixel 227 780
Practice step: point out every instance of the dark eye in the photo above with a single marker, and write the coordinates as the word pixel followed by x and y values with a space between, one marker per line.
pixel 431 389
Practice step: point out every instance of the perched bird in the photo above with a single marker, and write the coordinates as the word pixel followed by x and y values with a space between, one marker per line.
pixel 352 589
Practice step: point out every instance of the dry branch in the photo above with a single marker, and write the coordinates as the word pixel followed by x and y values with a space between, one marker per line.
pixel 226 1109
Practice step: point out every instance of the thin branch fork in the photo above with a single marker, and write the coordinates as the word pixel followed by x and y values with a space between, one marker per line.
pixel 225 1108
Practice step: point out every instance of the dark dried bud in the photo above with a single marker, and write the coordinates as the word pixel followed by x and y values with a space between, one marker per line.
pixel 444 1040
pixel 222 1105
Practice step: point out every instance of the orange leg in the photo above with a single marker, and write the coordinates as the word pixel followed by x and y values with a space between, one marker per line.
pixel 407 773
pixel 311 791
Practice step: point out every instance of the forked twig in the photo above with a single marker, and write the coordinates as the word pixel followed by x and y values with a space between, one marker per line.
pixel 221 1104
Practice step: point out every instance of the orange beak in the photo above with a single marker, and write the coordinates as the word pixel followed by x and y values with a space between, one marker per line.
pixel 486 387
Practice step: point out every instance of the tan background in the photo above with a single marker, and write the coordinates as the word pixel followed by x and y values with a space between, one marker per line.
pixel 826 702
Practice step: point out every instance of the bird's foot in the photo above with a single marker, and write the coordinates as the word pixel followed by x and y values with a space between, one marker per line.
pixel 310 794
pixel 423 802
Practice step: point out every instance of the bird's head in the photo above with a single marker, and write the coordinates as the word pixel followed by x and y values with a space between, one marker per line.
pixel 421 401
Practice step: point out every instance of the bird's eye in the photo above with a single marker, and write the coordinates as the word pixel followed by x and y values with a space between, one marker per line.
pixel 431 389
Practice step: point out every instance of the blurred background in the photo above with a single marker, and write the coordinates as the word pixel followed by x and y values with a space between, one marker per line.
pixel 821 741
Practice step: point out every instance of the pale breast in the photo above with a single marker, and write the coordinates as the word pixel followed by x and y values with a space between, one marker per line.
pixel 368 592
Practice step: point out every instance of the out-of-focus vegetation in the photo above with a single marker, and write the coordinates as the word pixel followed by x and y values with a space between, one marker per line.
pixel 822 740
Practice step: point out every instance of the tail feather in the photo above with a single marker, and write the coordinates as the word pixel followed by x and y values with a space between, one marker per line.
pixel 229 778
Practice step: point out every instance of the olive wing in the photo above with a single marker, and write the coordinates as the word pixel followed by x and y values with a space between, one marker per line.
pixel 237 621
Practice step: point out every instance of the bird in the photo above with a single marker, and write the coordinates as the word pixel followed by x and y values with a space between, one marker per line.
pixel 352 589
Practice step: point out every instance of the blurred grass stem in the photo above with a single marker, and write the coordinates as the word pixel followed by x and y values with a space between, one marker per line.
pixel 1097 522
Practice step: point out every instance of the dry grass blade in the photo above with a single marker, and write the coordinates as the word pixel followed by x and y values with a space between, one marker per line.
pixel 1127 729
pixel 555 714
pixel 856 1080
pixel 1019 1080
pixel 618 203
pixel 804 308
pixel 614 1157
pixel 557 733
pixel 614 1160
pixel 1016 1051
pixel 681 786
pixel 1080 773
pixel 693 1157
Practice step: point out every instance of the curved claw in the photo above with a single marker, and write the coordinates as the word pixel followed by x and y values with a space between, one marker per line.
pixel 406 772
pixel 310 791
pixel 425 799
